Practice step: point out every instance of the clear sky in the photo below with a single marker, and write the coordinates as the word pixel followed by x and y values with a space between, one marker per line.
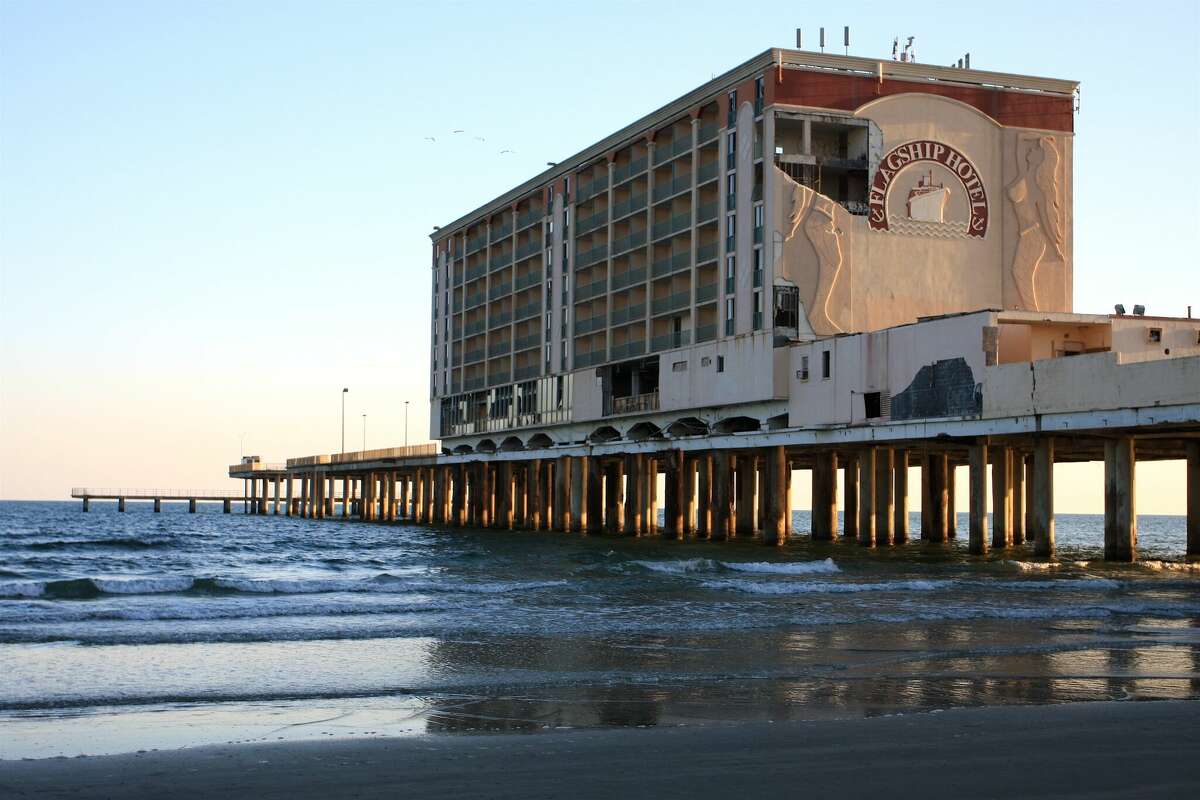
pixel 215 214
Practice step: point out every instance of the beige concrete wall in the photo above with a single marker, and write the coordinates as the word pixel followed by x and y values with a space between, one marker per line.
pixel 587 395
pixel 750 373
pixel 1132 335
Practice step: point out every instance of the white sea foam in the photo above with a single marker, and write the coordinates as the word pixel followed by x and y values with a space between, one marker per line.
pixel 22 589
pixel 681 567
pixel 160 585
pixel 824 587
pixel 785 568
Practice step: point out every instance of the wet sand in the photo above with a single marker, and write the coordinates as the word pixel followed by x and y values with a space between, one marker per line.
pixel 1114 749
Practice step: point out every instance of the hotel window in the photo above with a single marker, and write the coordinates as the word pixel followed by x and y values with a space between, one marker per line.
pixel 758 267
pixel 730 230
pixel 730 267
pixel 757 311
pixel 803 368
pixel 729 316
pixel 731 191
pixel 826 366
pixel 731 150
pixel 731 116
pixel 760 95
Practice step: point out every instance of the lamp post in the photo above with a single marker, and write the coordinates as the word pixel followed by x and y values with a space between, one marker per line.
pixel 344 391
pixel 406 423
pixel 364 432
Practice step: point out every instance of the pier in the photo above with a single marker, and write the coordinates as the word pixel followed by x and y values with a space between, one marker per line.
pixel 737 486
pixel 157 496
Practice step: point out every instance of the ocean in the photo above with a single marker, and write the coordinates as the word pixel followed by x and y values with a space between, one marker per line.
pixel 131 631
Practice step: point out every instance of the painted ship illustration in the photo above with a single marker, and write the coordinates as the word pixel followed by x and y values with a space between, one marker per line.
pixel 927 200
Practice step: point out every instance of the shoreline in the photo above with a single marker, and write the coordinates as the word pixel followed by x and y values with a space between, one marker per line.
pixel 1092 748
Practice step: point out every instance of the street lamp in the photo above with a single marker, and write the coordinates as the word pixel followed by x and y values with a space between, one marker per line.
pixel 364 433
pixel 344 391
pixel 406 423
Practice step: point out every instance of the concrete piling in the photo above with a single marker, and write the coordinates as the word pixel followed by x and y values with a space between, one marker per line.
pixel 866 496
pixel 900 495
pixel 1043 497
pixel 1002 497
pixel 978 519
pixel 1120 506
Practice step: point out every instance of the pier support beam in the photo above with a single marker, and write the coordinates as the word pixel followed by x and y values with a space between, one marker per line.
pixel 978 519
pixel 614 496
pixel 1002 497
pixel 935 520
pixel 562 494
pixel 722 496
pixel 121 504
pixel 253 496
pixel 275 508
pixel 866 496
pixel 226 505
pixel 850 497
pixel 578 494
pixel 533 494
pixel 157 505
pixel 704 495
pixel 824 497
pixel 192 505
pixel 504 496
pixel 1193 498
pixel 674 501
pixel 951 501
pixel 900 496
pixel 635 485
pixel 1120 506
pixel 650 496
pixel 594 505
pixel 86 505
pixel 688 488
pixel 746 471
pixel 1042 500
pixel 775 497
pixel 1018 498
pixel 885 507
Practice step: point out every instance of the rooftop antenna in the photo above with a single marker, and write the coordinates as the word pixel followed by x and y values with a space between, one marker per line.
pixel 895 48
pixel 967 59
pixel 960 63
pixel 822 39
pixel 846 38
pixel 799 40
pixel 908 54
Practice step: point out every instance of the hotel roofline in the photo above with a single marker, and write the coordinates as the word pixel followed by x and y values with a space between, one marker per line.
pixel 774 58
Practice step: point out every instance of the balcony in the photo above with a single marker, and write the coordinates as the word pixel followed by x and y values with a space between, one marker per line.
pixel 500 261
pixel 758 275
pixel 630 206
pixel 591 223
pixel 584 191
pixel 498 378
pixel 589 290
pixel 528 310
pixel 590 358
pixel 707 172
pixel 589 257
pixel 708 212
pixel 473 355
pixel 527 342
pixel 593 323
pixel 626 171
pixel 706 333
pixel 669 227
pixel 477 299
pixel 636 348
pixel 530 217
pixel 476 272
pixel 503 232
pixel 758 235
pixel 628 314
pixel 635 239
pixel 500 290
pixel 527 280
pixel 758 106
pixel 672 302
pixel 757 320
pixel 471 384
pixel 756 193
pixel 672 263
pixel 671 188
pixel 709 132
pixel 635 404
pixel 472 328
pixel 669 341
pixel 521 373
pixel 706 253
pixel 476 243
pixel 530 248
pixel 706 293
pixel 757 149
pixel 629 278
pixel 499 348
pixel 498 319
pixel 665 152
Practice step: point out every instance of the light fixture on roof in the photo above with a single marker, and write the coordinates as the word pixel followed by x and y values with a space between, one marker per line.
pixel 1139 310
pixel 1120 309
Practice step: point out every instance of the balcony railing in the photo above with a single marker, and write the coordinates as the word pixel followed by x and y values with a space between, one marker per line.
pixel 758 235
pixel 706 253
pixel 630 206
pixel 499 348
pixel 669 341
pixel 583 191
pixel 668 150
pixel 476 299
pixel 590 223
pixel 587 359
pixel 498 319
pixel 528 310
pixel 634 348
pixel 500 290
pixel 628 278
pixel 528 218
pixel 498 378
pixel 527 342
pixel 671 188
pixel 626 171
pixel 675 224
pixel 757 149
pixel 672 302
pixel 500 261
pixel 589 290
pixel 521 373
pixel 635 239
pixel 706 333
pixel 709 132
pixel 635 404
pixel 671 263
pixel 502 232
pixel 527 280
pixel 474 355
pixel 476 272
pixel 707 212
pixel 589 257
pixel 530 248
pixel 621 316
pixel 471 384
pixel 472 328
pixel 475 243
pixel 707 172
pixel 706 293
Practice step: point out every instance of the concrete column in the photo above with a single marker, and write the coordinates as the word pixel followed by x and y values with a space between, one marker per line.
pixel 850 497
pixel 562 493
pixel 688 489
pixel 345 497
pixel 939 497
pixel 121 504
pixel 547 479
pixel 746 475
pixel 674 501
pixel 227 506
pixel 420 487
pixel 192 505
pixel 275 508
pixel 288 499
pixel 504 495
pixel 1002 497
pixel 978 523
pixel 634 487
pixel 1120 505
pixel 578 494
pixel 900 495
pixel 722 496
pixel 704 495
pixel 1042 498
pixel 866 496
pixel 951 504
pixel 1018 498
pixel 1192 448
pixel 885 508
pixel 1029 469
pixel 87 504
pixel 158 505
pixel 520 506
pixel 303 495
pixel 649 496
pixel 614 497
pixel 533 494
pixel 775 498
pixel 824 497
pixel 926 497
pixel 458 496
pixel 594 506
pixel 253 496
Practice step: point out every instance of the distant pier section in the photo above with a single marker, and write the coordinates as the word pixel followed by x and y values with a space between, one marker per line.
pixel 157 496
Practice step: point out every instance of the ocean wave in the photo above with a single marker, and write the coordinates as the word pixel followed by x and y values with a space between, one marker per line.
pixel 680 567
pixel 91 588
pixel 824 587
pixel 709 565
pixel 123 544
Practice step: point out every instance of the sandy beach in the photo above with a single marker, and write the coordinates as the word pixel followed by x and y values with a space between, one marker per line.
pixel 1114 749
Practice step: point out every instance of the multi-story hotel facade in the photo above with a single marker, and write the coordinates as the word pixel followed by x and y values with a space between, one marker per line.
pixel 670 279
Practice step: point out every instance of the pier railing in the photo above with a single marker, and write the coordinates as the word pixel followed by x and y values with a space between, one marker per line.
pixel 408 451
pixel 130 493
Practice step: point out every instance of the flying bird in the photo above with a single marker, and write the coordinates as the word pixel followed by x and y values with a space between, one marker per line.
pixel 502 152
pixel 430 139
pixel 480 139
pixel 460 131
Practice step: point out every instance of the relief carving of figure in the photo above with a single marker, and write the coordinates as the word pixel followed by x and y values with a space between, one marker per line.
pixel 817 214
pixel 1035 201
